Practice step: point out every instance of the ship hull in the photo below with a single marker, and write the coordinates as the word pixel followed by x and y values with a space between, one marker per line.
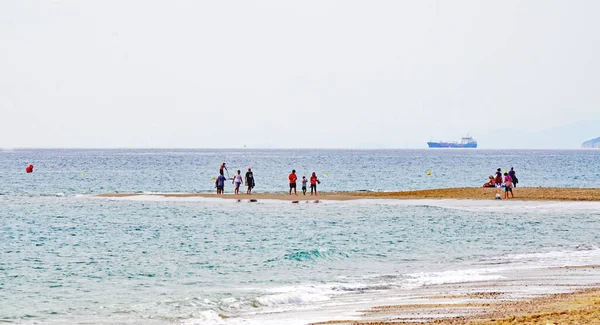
pixel 451 145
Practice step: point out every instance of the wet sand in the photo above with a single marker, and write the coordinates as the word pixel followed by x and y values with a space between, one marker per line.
pixel 581 307
pixel 525 193
pixel 498 302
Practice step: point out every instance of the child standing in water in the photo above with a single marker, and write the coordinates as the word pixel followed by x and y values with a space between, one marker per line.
pixel 237 179
pixel 304 181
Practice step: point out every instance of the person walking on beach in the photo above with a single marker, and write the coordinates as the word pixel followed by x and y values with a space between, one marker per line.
pixel 508 186
pixel 220 184
pixel 313 183
pixel 237 179
pixel 249 181
pixel 293 178
pixel 513 176
pixel 498 178
pixel 304 181
pixel 221 169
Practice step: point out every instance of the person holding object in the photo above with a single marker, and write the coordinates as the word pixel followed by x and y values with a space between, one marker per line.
pixel 313 183
pixel 221 170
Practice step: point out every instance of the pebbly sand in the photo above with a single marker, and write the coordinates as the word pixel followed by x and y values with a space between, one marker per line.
pixel 498 302
pixel 525 193
pixel 580 307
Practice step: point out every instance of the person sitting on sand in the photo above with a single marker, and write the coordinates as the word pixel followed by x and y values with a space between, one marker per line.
pixel 508 186
pixel 490 183
pixel 220 184
pixel 237 179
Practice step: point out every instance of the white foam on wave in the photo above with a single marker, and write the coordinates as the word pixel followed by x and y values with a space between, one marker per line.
pixel 291 298
pixel 586 256
pixel 207 317
pixel 420 279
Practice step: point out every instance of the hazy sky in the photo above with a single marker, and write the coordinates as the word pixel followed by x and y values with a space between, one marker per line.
pixel 375 74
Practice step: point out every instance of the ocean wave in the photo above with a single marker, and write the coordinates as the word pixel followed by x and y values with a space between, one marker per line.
pixel 452 276
pixel 312 255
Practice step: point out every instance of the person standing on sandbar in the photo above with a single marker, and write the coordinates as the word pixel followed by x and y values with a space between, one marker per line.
pixel 249 181
pixel 513 175
pixel 292 177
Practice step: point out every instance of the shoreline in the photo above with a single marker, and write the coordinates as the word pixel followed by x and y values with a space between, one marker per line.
pixel 496 302
pixel 521 194
pixel 578 307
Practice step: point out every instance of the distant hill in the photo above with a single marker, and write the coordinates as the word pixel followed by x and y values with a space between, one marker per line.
pixel 594 143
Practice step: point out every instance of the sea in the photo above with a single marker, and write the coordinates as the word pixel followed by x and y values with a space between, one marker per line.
pixel 68 256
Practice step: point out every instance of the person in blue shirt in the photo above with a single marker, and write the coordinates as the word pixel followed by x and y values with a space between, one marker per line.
pixel 220 184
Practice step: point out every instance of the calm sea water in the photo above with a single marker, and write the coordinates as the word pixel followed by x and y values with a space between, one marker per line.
pixel 60 171
pixel 67 256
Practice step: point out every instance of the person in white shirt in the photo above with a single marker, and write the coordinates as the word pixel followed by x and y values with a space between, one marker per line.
pixel 237 180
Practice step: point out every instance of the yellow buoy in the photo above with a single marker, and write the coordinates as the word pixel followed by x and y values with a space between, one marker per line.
pixel 82 175
pixel 429 172
pixel 326 174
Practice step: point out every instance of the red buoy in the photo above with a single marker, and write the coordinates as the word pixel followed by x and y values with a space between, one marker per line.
pixel 29 169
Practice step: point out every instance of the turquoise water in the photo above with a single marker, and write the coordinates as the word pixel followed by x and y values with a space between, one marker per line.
pixel 67 256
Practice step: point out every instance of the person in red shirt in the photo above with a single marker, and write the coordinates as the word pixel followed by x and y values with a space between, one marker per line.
pixel 293 179
pixel 313 183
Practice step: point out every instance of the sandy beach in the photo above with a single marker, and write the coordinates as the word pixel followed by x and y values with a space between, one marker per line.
pixel 525 193
pixel 581 307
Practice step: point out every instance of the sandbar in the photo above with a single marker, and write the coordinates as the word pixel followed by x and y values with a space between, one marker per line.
pixel 466 193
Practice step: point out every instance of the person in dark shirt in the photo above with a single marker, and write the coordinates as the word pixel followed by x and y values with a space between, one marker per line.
pixel 249 181
pixel 498 178
pixel 513 175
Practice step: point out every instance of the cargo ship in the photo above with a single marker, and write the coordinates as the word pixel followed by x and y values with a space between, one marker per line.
pixel 466 142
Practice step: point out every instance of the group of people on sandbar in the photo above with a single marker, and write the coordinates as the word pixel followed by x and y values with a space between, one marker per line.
pixel 238 181
pixel 508 182
pixel 313 183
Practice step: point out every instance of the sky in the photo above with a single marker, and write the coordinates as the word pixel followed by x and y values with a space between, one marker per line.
pixel 297 74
